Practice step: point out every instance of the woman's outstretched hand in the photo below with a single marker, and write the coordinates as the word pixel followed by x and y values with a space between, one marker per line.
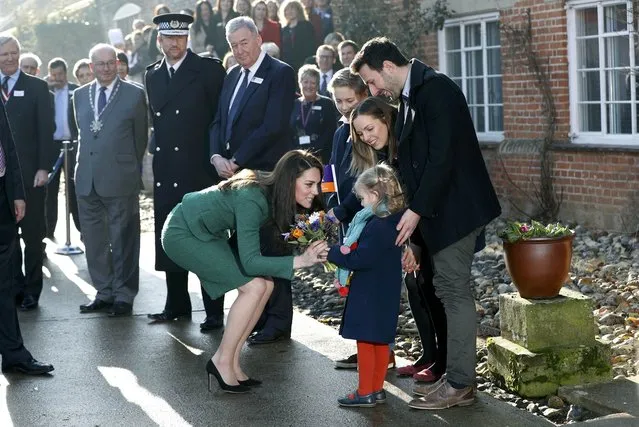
pixel 315 253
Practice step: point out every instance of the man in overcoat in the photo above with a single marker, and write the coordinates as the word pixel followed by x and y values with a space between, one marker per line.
pixel 15 357
pixel 29 107
pixel 183 91
pixel 450 195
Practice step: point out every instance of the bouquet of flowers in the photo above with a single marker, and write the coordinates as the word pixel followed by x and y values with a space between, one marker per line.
pixel 310 228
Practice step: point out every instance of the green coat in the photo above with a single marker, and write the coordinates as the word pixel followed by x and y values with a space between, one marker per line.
pixel 196 237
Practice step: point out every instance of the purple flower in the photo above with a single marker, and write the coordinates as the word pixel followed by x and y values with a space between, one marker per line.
pixel 315 225
pixel 286 236
pixel 525 228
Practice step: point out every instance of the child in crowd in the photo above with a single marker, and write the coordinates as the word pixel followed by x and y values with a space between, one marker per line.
pixel 348 90
pixel 372 268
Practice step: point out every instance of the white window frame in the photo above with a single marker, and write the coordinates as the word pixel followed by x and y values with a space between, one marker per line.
pixel 443 66
pixel 600 138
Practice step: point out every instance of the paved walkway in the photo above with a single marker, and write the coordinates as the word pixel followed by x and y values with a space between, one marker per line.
pixel 127 372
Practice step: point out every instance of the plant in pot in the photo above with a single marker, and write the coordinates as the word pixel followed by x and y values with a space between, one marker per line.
pixel 538 257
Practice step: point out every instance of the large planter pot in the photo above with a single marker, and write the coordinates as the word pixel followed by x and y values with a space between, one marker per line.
pixel 539 267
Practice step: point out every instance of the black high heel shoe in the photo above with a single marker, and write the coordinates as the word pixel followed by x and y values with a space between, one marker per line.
pixel 212 371
pixel 250 382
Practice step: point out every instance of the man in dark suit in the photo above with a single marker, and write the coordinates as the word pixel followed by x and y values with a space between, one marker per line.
pixel 251 130
pixel 451 198
pixel 183 91
pixel 29 108
pixel 12 209
pixel 65 130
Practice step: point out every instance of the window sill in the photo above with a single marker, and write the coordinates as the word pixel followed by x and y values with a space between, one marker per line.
pixel 595 148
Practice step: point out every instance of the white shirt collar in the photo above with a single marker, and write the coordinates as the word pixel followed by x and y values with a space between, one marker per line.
pixel 176 65
pixel 253 68
pixel 406 90
pixel 13 78
pixel 329 73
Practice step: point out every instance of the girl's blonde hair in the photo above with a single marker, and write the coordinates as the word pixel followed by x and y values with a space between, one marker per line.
pixel 365 156
pixel 382 180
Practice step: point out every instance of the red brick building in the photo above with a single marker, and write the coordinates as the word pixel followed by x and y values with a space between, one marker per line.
pixel 591 54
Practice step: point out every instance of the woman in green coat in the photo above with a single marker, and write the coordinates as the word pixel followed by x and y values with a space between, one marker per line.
pixel 196 237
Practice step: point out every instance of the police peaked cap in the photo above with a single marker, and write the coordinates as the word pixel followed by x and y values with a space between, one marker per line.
pixel 173 24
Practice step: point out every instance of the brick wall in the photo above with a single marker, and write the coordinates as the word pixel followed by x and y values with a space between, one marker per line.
pixel 600 186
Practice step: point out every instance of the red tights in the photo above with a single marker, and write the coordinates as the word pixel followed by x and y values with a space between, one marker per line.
pixel 372 362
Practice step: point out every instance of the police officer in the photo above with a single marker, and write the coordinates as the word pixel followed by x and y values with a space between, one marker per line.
pixel 183 91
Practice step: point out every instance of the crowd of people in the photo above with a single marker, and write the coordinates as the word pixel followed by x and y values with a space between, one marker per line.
pixel 238 150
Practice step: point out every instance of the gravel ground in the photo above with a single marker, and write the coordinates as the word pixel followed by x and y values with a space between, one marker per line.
pixel 605 267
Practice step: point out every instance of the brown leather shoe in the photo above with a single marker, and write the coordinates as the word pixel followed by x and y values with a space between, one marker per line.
pixel 424 389
pixel 445 396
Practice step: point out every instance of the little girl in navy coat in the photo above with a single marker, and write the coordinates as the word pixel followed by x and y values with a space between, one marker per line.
pixel 371 264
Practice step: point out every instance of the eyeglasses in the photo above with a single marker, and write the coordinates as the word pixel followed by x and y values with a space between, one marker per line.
pixel 102 64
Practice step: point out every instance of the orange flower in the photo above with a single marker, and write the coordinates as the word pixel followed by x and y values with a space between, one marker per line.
pixel 297 233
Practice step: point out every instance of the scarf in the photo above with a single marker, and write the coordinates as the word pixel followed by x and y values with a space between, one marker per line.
pixel 352 235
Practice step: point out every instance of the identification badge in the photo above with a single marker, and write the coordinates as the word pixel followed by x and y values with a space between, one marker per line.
pixel 305 140
pixel 18 93
pixel 257 80
pixel 317 107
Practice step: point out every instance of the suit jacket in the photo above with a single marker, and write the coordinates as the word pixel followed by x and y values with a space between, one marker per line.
pixel 109 161
pixel 72 124
pixel 13 176
pixel 31 117
pixel 440 161
pixel 182 110
pixel 341 157
pixel 260 132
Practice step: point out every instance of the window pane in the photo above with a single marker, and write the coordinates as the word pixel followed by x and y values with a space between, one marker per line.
pixel 615 18
pixel 619 118
pixel 494 60
pixel 590 117
pixel 472 35
pixel 477 112
pixel 587 22
pixel 494 90
pixel 453 38
pixel 589 88
pixel 617 51
pixel 496 119
pixel 617 85
pixel 453 64
pixel 474 63
pixel 475 89
pixel 588 53
pixel 492 33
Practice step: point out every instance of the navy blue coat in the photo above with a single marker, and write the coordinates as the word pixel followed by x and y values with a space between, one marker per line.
pixel 372 305
pixel 320 125
pixel 260 133
pixel 341 157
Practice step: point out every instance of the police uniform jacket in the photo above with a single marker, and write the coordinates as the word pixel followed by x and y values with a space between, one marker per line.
pixel 182 109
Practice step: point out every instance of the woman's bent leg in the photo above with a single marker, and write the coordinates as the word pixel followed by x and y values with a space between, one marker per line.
pixel 239 374
pixel 240 315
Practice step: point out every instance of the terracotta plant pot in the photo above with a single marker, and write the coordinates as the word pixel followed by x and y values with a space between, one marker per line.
pixel 540 266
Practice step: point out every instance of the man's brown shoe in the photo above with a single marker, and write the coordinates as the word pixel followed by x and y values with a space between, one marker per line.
pixel 446 396
pixel 424 389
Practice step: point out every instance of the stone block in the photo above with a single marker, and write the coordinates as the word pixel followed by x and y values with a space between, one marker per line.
pixel 543 324
pixel 540 374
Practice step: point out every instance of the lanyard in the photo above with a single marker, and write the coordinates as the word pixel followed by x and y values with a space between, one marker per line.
pixel 308 115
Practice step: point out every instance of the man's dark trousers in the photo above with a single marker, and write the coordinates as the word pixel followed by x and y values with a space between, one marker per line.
pixel 11 346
